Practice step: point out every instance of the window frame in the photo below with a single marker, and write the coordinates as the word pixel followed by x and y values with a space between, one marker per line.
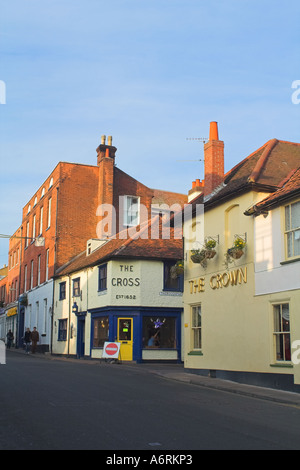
pixel 62 292
pixel 102 280
pixel 196 328
pixel 62 332
pixel 97 319
pixel 167 265
pixel 126 211
pixel 280 335
pixel 288 231
pixel 76 289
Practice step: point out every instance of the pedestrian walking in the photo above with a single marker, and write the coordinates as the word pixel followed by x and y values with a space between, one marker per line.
pixel 10 338
pixel 27 340
pixel 35 337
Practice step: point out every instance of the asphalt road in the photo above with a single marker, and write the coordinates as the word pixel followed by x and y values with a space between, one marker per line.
pixel 60 405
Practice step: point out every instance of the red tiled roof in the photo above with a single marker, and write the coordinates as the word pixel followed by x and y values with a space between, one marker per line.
pixel 263 169
pixel 289 187
pixel 130 247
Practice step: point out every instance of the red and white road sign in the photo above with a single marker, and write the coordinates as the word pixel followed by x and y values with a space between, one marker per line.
pixel 111 350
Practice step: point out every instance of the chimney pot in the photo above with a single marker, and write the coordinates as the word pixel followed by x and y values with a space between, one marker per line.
pixel 198 182
pixel 213 131
pixel 103 138
pixel 193 184
pixel 109 140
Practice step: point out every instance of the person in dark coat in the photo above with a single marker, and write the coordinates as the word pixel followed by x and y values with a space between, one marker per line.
pixel 10 338
pixel 35 337
pixel 27 340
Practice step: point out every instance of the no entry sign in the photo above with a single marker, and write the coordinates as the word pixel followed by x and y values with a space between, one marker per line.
pixel 111 350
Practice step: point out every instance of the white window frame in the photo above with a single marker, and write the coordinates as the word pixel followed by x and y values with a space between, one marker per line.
pixel 47 264
pixel 196 328
pixel 49 211
pixel 41 220
pixel 280 332
pixel 31 274
pixel 39 270
pixel 127 211
pixel 290 231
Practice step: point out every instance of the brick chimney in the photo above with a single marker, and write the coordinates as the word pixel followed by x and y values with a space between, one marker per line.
pixel 213 160
pixel 197 189
pixel 106 162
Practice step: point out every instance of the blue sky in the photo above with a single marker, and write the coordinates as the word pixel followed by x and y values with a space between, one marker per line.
pixel 151 73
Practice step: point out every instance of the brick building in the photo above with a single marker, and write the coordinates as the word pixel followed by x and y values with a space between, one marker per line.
pixel 65 212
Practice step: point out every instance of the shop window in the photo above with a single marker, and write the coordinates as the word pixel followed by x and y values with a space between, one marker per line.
pixel 172 281
pixel 62 290
pixel 101 331
pixel 62 330
pixel 159 333
pixel 281 335
pixel 76 287
pixel 196 327
pixel 292 229
pixel 102 279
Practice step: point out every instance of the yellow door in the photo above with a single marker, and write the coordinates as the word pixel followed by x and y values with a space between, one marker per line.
pixel 125 338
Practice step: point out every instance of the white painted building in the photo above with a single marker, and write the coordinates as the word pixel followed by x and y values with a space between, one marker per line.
pixel 121 292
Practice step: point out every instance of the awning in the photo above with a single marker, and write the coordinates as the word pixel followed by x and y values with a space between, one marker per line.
pixel 11 312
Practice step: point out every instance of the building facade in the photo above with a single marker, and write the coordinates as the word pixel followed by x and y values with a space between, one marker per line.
pixel 69 208
pixel 241 303
pixel 123 291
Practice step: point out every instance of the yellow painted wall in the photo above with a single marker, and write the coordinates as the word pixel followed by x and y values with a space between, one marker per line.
pixel 237 325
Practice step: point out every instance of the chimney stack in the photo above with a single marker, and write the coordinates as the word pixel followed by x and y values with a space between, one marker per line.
pixel 106 150
pixel 106 163
pixel 197 189
pixel 213 160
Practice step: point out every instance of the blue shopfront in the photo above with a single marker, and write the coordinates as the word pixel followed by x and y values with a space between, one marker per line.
pixel 145 334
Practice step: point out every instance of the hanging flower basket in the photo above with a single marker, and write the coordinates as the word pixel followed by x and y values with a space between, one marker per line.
pixel 235 253
pixel 199 257
pixel 209 254
pixel 209 247
pixel 177 270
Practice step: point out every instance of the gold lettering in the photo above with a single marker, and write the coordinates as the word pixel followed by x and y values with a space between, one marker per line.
pixel 233 277
pixel 211 282
pixel 225 283
pixel 243 276
pixel 201 284
pixel 219 280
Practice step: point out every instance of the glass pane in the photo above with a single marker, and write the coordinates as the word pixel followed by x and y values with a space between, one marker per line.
pixel 287 218
pixel 295 215
pixel 297 243
pixel 197 338
pixel 125 329
pixel 101 331
pixel 196 316
pixel 287 347
pixel 159 332
pixel 285 317
pixel 290 244
pixel 277 318
pixel 279 348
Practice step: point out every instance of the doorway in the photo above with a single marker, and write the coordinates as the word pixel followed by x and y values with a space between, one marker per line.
pixel 80 336
pixel 125 338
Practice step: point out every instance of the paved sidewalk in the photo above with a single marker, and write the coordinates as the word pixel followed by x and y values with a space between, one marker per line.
pixel 179 373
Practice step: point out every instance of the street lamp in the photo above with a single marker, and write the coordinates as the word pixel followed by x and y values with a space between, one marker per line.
pixel 75 308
